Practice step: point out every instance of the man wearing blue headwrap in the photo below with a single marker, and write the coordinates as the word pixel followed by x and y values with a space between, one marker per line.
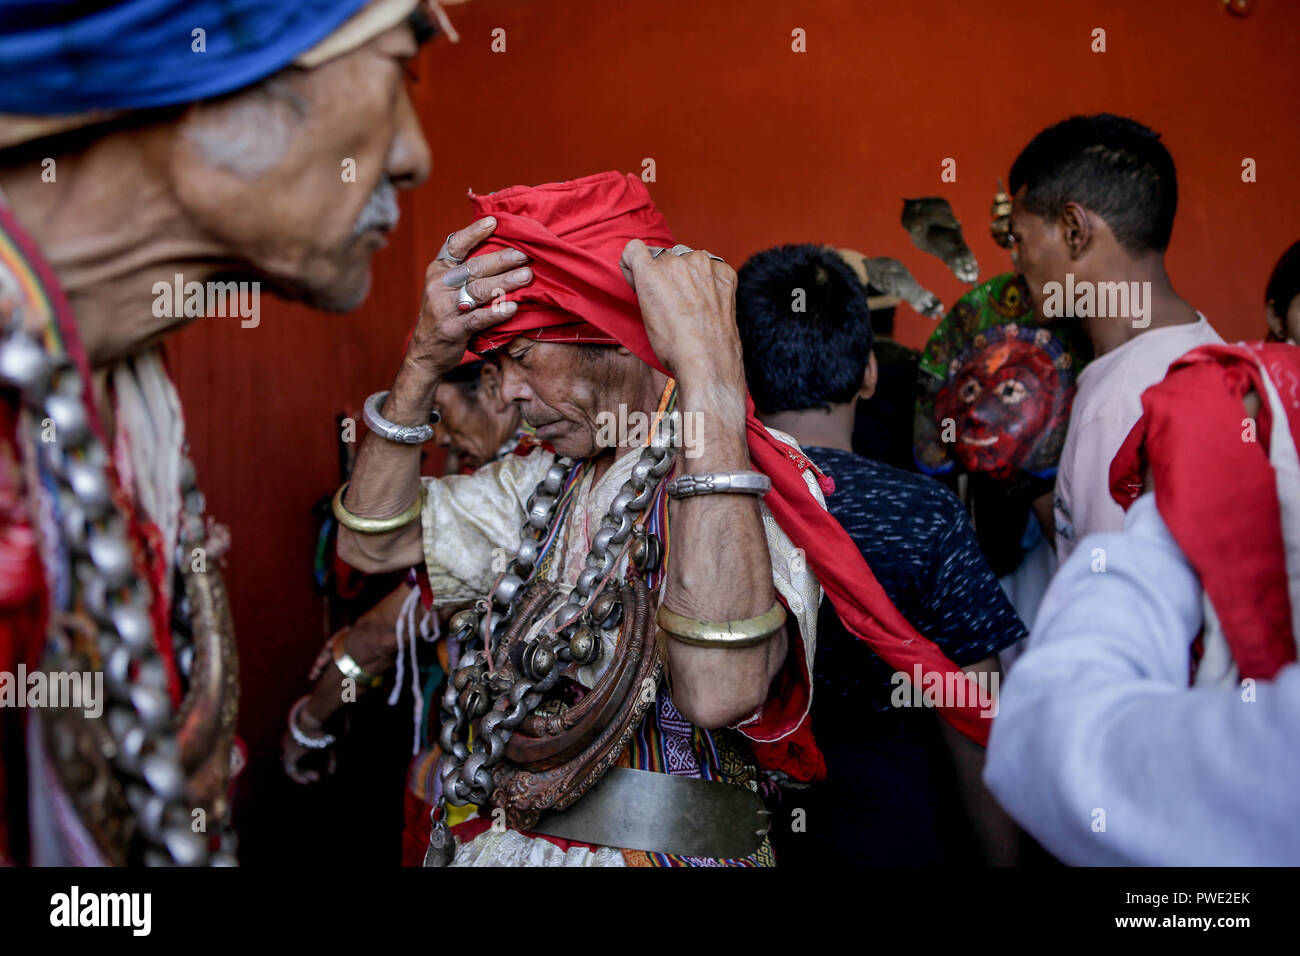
pixel 249 136
pixel 159 160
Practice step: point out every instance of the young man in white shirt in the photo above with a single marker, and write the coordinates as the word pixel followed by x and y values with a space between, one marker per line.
pixel 1094 202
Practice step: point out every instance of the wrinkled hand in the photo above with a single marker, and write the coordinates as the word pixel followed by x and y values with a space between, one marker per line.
pixel 445 327
pixel 688 303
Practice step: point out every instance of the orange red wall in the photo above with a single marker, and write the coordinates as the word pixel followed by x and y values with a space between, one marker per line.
pixel 753 145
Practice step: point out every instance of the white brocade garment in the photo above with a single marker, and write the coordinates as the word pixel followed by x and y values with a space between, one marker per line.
pixel 512 848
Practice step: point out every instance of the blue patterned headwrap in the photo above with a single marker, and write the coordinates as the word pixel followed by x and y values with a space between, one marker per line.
pixel 73 56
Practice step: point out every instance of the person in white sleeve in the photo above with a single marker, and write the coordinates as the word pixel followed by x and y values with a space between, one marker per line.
pixel 1154 718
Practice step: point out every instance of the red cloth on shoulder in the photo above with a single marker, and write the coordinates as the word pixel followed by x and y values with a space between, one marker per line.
pixel 1217 491
pixel 574 234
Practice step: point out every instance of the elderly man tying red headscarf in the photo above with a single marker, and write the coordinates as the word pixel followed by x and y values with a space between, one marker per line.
pixel 729 540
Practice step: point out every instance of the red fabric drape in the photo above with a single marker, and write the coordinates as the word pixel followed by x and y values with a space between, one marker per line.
pixel 22 600
pixel 1217 491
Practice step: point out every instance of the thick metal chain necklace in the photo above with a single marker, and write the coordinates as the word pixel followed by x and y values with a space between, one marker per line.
pixel 140 718
pixel 571 637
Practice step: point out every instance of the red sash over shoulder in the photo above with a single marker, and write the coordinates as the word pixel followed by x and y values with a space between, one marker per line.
pixel 1227 488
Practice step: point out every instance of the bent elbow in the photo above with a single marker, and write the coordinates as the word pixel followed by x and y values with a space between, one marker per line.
pixel 350 552
pixel 715 713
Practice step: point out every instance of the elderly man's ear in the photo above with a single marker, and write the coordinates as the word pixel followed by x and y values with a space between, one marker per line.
pixel 490 383
pixel 869 378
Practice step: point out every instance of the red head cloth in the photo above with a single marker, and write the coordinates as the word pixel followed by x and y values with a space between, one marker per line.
pixel 574 233
pixel 1229 490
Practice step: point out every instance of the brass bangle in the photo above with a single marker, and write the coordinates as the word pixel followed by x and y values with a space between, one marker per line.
pixel 753 630
pixel 348 666
pixel 376 525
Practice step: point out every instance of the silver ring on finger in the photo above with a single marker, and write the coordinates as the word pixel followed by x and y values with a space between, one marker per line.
pixel 464 301
pixel 446 251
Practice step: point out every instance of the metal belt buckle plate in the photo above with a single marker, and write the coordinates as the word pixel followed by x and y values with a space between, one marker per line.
pixel 663 813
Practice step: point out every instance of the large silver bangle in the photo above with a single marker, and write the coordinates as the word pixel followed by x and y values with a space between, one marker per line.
pixel 718 482
pixel 401 434
pixel 311 743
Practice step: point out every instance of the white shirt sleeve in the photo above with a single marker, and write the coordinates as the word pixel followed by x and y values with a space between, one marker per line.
pixel 1102 751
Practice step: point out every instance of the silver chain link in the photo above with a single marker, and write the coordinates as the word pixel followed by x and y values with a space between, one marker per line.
pixel 467 774
pixel 140 715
